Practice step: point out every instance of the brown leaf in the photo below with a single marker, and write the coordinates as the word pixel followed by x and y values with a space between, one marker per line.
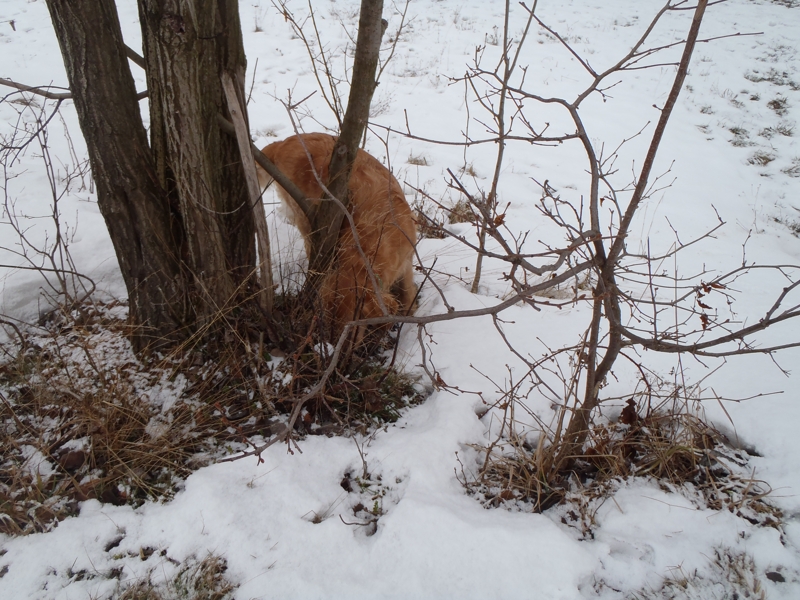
pixel 507 494
pixel 72 461
pixel 628 416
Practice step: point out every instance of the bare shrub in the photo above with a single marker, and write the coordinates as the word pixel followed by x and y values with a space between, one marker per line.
pixel 536 464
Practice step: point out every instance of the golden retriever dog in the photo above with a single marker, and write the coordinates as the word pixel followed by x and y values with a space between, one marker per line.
pixel 383 219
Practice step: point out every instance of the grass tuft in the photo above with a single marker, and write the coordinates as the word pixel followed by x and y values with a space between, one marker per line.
pixel 675 448
pixel 419 160
pixel 761 158
pixel 780 104
pixel 461 212
pixel 794 169
pixel 773 76
pixel 196 580
pixel 741 137
pixel 732 572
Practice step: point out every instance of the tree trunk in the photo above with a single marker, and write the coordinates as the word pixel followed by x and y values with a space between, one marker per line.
pixel 188 45
pixel 129 194
pixel 328 218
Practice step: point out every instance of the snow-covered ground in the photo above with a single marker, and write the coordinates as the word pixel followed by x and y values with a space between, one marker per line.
pixel 284 525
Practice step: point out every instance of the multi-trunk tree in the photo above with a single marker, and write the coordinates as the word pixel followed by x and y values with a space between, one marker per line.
pixel 178 206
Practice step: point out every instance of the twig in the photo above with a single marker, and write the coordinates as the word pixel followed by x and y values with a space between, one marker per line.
pixel 299 404
pixel 39 91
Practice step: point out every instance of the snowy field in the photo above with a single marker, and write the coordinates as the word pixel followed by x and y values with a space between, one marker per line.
pixel 285 526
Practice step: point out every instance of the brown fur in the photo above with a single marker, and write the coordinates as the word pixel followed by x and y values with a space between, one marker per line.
pixel 383 220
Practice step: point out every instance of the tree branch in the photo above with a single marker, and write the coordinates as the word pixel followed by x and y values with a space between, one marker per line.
pixel 135 57
pixel 287 184
pixel 39 91
pixel 42 90
pixel 327 222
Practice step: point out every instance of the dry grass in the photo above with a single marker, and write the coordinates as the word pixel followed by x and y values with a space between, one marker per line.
pixel 419 160
pixel 784 129
pixel 432 224
pixel 429 224
pixel 731 574
pixel 761 158
pixel 780 104
pixel 461 212
pixel 773 76
pixel 794 169
pixel 741 137
pixel 82 417
pixel 196 580
pixel 363 392
pixel 675 448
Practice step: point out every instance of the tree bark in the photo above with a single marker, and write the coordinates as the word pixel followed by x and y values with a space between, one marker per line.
pixel 328 218
pixel 129 193
pixel 188 45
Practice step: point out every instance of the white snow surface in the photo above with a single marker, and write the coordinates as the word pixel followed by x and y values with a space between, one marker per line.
pixel 434 540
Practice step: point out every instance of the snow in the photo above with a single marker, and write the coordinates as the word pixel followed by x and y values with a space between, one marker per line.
pixel 433 540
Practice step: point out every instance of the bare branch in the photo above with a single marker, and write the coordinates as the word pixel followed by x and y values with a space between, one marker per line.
pixel 641 185
pixel 237 112
pixel 42 90
pixel 466 143
pixel 39 91
pixel 135 57
pixel 522 295
pixel 266 164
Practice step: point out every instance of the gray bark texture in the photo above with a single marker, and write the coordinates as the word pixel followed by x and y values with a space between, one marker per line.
pixel 129 193
pixel 178 210
pixel 188 45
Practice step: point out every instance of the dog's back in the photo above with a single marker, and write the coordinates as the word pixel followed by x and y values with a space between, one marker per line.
pixel 383 220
